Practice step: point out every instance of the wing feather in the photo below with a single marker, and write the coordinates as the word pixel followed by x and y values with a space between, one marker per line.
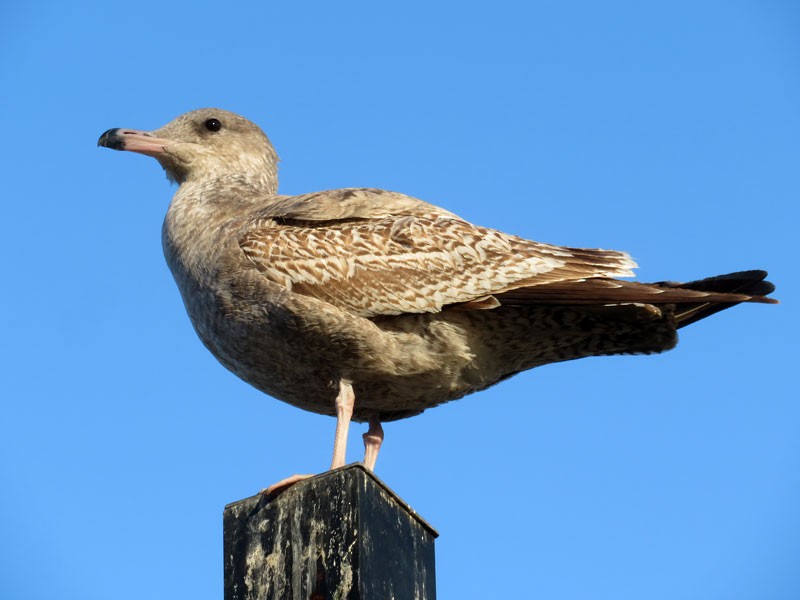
pixel 411 263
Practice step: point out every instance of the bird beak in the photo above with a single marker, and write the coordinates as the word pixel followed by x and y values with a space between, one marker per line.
pixel 133 140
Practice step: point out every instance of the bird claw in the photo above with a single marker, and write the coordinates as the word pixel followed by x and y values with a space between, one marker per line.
pixel 283 485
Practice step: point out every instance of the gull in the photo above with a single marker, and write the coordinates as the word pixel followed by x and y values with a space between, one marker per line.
pixel 370 305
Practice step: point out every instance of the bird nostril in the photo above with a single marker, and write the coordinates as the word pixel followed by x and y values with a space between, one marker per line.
pixel 132 132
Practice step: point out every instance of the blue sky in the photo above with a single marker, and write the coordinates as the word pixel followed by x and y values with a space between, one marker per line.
pixel 670 130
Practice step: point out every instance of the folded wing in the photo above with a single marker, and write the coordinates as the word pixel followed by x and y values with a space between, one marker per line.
pixel 410 263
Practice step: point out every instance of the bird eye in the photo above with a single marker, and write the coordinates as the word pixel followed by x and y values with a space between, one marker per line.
pixel 213 124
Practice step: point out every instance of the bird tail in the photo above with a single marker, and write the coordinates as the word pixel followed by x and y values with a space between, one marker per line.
pixel 743 286
pixel 692 301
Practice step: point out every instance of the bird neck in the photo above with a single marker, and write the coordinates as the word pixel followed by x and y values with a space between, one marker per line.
pixel 200 214
pixel 252 173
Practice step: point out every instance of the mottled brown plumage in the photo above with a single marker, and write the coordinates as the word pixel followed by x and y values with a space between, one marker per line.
pixel 402 302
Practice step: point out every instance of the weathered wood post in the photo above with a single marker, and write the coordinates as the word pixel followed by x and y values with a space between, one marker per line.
pixel 341 535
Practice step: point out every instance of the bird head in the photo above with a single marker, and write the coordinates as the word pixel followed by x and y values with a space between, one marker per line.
pixel 203 144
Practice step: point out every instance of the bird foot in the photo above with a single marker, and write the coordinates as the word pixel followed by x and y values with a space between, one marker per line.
pixel 283 485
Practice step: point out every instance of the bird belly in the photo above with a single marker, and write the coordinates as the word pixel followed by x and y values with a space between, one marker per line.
pixel 297 348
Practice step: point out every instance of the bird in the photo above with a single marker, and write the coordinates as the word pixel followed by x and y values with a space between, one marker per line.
pixel 371 305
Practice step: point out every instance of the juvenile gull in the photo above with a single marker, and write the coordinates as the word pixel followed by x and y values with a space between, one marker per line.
pixel 374 306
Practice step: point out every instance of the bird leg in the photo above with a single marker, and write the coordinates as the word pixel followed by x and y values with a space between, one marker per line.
pixel 372 442
pixel 344 411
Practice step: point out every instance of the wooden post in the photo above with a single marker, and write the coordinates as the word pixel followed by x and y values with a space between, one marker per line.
pixel 341 535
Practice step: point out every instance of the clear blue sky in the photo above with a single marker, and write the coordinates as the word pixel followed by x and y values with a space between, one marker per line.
pixel 670 130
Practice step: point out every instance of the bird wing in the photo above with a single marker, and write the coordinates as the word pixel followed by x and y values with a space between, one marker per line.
pixel 346 203
pixel 373 263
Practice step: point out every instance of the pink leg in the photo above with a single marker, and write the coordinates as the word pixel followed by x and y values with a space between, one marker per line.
pixel 372 442
pixel 344 411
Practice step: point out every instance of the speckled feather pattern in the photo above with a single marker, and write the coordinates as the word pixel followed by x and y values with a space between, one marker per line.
pixel 409 263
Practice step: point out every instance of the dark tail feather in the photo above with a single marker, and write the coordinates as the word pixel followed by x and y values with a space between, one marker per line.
pixel 693 301
pixel 603 290
pixel 748 283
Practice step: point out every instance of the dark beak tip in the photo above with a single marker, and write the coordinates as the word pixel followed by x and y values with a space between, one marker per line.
pixel 110 139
